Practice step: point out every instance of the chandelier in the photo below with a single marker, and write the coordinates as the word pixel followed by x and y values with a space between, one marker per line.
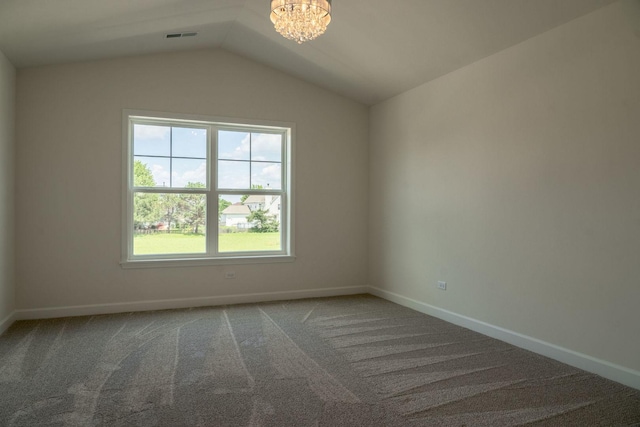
pixel 301 20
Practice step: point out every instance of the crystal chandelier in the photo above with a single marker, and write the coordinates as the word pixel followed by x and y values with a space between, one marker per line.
pixel 301 20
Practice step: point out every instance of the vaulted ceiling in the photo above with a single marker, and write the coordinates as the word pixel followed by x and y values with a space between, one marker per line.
pixel 373 49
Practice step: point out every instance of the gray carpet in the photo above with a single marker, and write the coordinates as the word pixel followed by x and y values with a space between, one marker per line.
pixel 349 361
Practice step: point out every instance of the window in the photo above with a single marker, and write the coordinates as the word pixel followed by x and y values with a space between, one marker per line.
pixel 202 191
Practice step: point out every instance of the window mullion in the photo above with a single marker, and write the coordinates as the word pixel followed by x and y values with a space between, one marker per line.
pixel 170 156
pixel 213 226
pixel 167 190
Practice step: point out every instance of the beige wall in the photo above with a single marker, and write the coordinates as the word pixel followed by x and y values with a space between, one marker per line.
pixel 7 114
pixel 69 123
pixel 517 181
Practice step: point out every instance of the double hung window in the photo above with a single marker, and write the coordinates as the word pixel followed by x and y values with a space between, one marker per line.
pixel 205 191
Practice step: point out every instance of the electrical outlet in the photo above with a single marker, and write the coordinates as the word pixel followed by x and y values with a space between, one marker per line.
pixel 230 275
pixel 442 285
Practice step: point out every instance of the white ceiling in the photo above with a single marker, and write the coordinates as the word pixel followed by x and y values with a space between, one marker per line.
pixel 373 49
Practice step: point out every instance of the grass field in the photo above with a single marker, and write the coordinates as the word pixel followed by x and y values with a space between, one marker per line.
pixel 175 243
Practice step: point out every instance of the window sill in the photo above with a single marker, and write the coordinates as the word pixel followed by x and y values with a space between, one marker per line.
pixel 199 262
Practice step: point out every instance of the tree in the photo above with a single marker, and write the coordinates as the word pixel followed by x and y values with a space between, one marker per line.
pixel 146 206
pixel 253 187
pixel 169 205
pixel 142 176
pixel 192 207
pixel 264 223
pixel 222 205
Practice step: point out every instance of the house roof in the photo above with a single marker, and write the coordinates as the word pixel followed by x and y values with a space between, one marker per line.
pixel 254 198
pixel 237 209
pixel 372 50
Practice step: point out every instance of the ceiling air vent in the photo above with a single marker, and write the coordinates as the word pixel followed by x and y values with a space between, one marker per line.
pixel 178 35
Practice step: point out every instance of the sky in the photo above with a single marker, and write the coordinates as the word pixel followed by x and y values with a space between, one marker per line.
pixel 177 156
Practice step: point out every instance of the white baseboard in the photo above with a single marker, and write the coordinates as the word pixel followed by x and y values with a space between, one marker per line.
pixel 94 309
pixel 587 363
pixel 6 322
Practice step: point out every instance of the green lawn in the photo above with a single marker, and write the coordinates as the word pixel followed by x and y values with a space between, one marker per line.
pixel 174 243
pixel 235 242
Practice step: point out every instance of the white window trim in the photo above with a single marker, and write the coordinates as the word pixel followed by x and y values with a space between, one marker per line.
pixel 128 260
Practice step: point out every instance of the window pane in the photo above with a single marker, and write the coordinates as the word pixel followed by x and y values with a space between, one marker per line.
pixel 249 223
pixel 266 147
pixel 266 175
pixel 151 171
pixel 233 174
pixel 189 142
pixel 169 223
pixel 189 173
pixel 151 140
pixel 233 145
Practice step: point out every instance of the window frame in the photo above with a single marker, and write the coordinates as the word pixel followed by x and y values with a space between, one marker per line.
pixel 212 256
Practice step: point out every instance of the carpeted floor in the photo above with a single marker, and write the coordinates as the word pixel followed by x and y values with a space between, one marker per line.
pixel 348 361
